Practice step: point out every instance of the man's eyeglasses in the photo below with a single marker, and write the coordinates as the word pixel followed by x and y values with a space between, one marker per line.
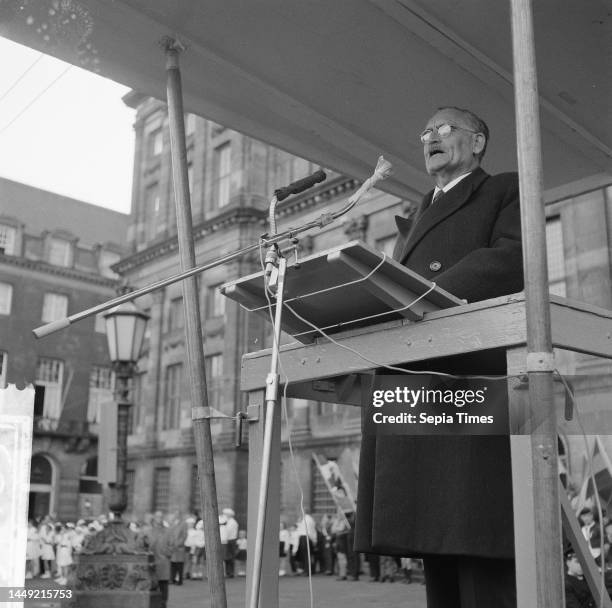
pixel 444 130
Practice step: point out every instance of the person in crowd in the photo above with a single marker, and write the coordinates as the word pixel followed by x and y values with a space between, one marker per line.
pixel 465 237
pixel 159 542
pixel 32 550
pixel 231 530
pixel 64 539
pixel 294 543
pixel 307 541
pixel 200 551
pixel 178 529
pixel 406 567
pixel 223 534
pixel 190 547
pixel 324 555
pixel 80 534
pixel 353 557
pixel 577 593
pixel 241 552
pixel 339 531
pixel 589 523
pixel 284 548
pixel 47 547
pixel 608 545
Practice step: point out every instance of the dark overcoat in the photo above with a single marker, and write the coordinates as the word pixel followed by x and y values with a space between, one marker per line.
pixel 450 495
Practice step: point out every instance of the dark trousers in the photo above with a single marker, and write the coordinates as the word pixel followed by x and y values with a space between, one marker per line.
pixel 469 582
pixel 229 558
pixel 163 589
pixel 176 572
pixel 374 560
pixel 305 547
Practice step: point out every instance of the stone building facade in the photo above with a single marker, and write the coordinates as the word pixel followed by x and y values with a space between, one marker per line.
pixel 232 177
pixel 55 259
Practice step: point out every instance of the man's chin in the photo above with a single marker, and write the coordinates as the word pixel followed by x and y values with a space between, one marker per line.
pixel 434 165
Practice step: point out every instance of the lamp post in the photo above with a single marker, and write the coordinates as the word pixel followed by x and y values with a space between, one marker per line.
pixel 115 568
pixel 125 329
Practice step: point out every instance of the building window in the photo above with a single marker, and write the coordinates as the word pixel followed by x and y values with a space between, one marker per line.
pixel 59 252
pixel 215 302
pixel 386 245
pixel 176 314
pixel 555 257
pixel 130 478
pixel 48 388
pixel 100 391
pixel 155 143
pixel 55 307
pixel 6 298
pixel 213 365
pixel 172 401
pixel 161 489
pixel 3 368
pixel 222 172
pixel 7 239
pixel 153 211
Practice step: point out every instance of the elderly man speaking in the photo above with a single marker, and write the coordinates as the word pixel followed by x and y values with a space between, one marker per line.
pixel 448 499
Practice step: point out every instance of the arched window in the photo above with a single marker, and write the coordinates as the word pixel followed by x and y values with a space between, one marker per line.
pixel 41 471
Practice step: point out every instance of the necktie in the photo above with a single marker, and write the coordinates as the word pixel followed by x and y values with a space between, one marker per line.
pixel 436 196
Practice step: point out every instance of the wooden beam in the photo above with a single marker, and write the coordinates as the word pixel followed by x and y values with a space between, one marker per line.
pixel 444 333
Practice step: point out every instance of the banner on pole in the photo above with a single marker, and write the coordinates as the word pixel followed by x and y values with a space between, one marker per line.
pixel 336 484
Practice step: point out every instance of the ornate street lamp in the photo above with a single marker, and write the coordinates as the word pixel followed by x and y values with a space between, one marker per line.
pixel 125 330
pixel 115 568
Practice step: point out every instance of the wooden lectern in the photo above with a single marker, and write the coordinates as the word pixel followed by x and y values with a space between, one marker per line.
pixel 323 371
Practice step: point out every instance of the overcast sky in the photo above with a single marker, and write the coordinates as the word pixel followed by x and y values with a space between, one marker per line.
pixel 76 139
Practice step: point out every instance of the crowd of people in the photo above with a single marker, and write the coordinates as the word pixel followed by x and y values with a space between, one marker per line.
pixel 326 543
pixel 180 550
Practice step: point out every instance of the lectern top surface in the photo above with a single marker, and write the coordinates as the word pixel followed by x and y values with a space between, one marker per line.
pixel 348 286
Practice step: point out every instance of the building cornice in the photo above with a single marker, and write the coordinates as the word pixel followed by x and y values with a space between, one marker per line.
pixel 230 217
pixel 58 271
pixel 336 187
pixel 328 190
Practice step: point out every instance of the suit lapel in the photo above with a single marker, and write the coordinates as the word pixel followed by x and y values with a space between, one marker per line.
pixel 430 216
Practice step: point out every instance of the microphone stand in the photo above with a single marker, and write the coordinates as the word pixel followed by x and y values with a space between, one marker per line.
pixel 275 280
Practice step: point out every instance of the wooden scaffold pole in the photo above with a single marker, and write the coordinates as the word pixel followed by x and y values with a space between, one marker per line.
pixel 546 589
pixel 193 330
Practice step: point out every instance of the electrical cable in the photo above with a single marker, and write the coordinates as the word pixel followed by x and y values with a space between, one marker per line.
pixel 27 70
pixel 34 100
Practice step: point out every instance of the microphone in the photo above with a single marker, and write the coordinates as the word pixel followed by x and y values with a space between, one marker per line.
pixel 300 185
